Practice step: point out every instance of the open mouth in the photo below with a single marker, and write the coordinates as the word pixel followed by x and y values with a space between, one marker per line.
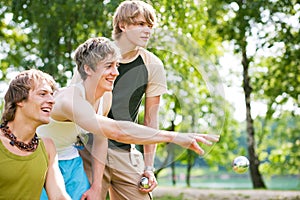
pixel 110 80
pixel 46 109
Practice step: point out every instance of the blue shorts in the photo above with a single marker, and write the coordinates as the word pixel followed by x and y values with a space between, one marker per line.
pixel 75 178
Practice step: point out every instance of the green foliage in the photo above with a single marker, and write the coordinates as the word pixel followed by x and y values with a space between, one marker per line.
pixel 279 151
pixel 43 34
pixel 55 28
pixel 272 30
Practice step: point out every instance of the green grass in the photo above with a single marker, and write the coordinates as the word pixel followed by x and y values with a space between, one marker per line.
pixel 226 180
pixel 167 197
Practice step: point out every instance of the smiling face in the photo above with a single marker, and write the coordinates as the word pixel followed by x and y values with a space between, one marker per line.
pixel 104 74
pixel 29 88
pixel 39 104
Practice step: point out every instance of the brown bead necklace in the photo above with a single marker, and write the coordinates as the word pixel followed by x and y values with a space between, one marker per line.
pixel 30 147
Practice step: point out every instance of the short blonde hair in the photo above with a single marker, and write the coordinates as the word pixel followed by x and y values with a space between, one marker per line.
pixel 128 11
pixel 93 51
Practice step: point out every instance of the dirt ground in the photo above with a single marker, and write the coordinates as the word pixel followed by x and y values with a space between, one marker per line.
pixel 216 194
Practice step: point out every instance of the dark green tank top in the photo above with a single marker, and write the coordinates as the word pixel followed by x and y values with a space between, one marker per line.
pixel 22 177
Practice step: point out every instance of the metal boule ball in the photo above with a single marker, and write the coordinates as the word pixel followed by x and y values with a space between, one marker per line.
pixel 240 164
pixel 144 183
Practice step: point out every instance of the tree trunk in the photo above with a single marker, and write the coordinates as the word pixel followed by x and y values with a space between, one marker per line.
pixel 173 173
pixel 189 168
pixel 256 177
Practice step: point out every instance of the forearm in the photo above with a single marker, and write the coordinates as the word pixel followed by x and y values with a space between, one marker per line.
pixel 151 120
pixel 149 154
pixel 133 133
pixel 99 152
pixel 98 169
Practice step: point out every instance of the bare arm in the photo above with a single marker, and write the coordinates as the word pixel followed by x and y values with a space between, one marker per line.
pixel 98 153
pixel 98 159
pixel 54 184
pixel 150 120
pixel 70 105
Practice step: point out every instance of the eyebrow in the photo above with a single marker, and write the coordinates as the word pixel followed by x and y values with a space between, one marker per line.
pixel 141 21
pixel 110 62
pixel 44 90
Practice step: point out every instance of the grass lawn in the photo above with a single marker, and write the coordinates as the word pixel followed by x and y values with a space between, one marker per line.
pixel 177 193
pixel 205 179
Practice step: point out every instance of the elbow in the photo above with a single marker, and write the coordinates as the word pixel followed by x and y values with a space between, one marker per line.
pixel 116 130
pixel 113 133
pixel 118 136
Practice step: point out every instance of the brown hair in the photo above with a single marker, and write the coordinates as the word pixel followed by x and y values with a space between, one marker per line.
pixel 19 88
pixel 128 11
pixel 93 51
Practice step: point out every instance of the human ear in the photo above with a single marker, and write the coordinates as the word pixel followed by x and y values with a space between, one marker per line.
pixel 122 27
pixel 20 104
pixel 87 69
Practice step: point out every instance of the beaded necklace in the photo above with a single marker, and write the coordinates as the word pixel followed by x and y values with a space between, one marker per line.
pixel 30 147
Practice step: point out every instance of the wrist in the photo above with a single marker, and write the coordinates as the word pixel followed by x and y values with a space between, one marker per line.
pixel 149 169
pixel 96 185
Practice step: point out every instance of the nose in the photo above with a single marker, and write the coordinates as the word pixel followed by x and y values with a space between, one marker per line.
pixel 147 29
pixel 115 71
pixel 51 99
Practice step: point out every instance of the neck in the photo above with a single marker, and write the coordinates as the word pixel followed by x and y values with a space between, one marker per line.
pixel 92 94
pixel 128 50
pixel 23 131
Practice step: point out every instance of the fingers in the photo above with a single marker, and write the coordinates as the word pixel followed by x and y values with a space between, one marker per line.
pixel 195 147
pixel 211 137
pixel 152 182
pixel 206 139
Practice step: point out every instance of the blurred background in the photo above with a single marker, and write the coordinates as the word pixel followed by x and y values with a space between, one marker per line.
pixel 233 69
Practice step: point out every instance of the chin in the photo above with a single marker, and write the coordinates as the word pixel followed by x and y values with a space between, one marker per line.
pixel 45 121
pixel 143 45
pixel 109 89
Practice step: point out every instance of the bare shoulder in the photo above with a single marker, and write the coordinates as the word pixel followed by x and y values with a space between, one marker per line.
pixel 49 145
pixel 65 95
pixel 64 100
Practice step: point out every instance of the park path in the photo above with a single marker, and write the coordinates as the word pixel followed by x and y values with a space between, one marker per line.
pixel 217 194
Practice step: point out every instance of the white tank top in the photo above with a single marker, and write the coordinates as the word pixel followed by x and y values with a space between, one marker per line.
pixel 64 133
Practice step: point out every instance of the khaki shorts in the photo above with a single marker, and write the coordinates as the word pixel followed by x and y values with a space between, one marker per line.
pixel 123 171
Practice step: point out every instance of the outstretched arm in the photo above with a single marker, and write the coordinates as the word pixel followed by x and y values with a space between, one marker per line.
pixel 72 106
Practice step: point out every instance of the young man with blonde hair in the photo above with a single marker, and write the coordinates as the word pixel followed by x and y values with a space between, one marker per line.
pixel 141 74
pixel 80 109
pixel 28 162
